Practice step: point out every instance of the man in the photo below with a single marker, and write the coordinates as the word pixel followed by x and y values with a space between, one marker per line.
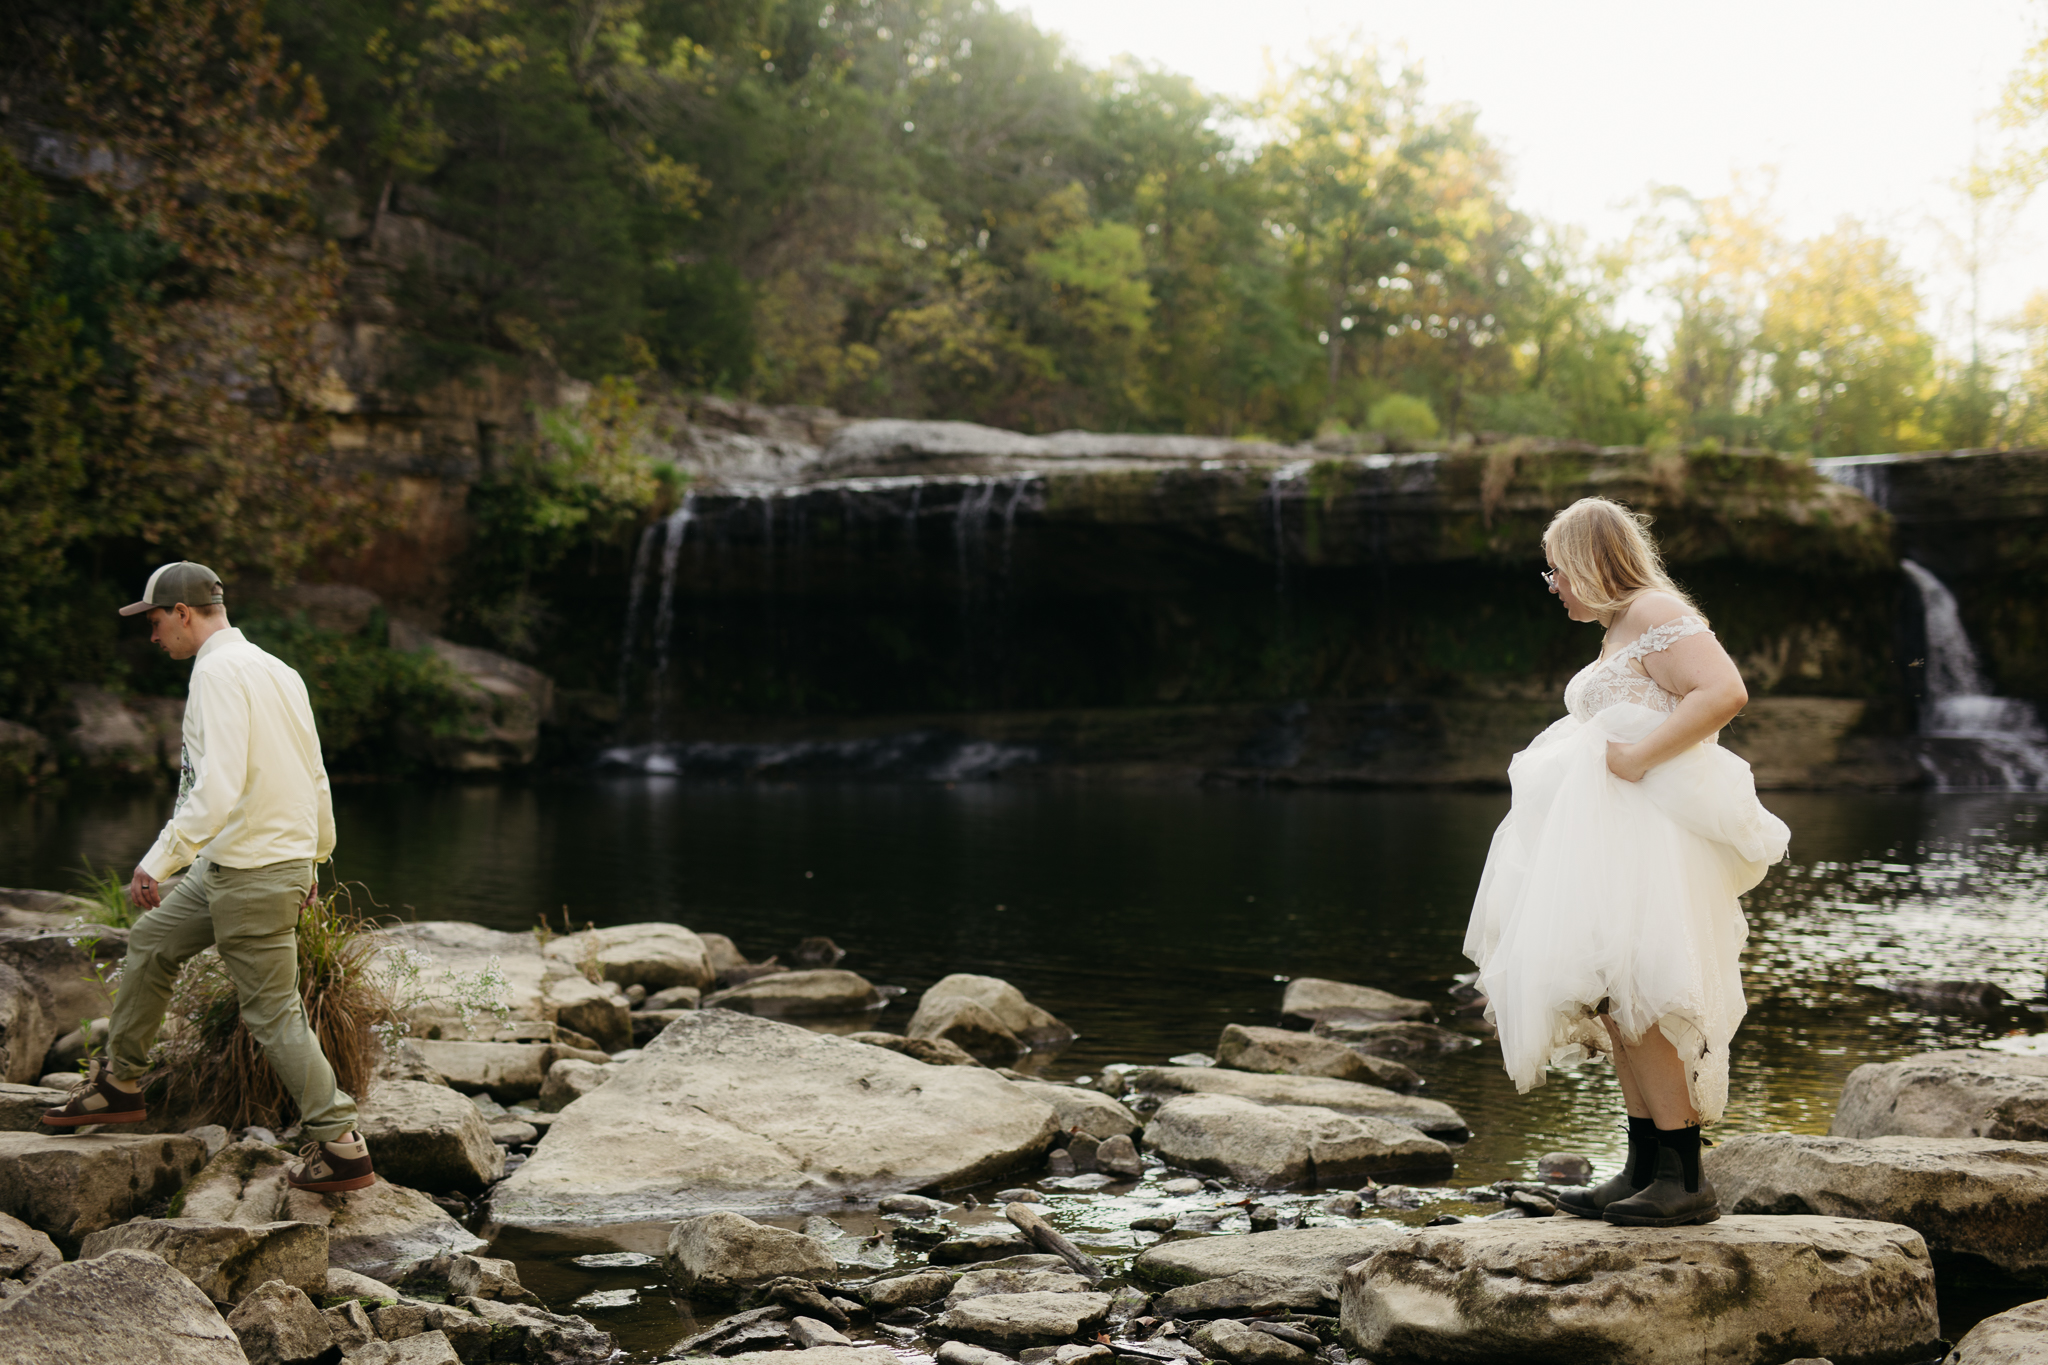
pixel 253 817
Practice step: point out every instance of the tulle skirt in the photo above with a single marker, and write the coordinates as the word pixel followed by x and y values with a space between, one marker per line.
pixel 1604 894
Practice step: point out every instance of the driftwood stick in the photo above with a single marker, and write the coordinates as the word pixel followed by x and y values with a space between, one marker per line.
pixel 1033 1225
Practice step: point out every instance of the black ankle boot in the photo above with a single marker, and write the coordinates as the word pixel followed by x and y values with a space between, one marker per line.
pixel 1681 1194
pixel 1635 1174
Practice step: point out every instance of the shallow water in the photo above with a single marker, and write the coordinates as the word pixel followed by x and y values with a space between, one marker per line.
pixel 1149 918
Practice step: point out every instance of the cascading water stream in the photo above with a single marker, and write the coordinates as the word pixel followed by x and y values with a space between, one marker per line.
pixel 641 558
pixel 2007 747
pixel 1275 489
pixel 665 605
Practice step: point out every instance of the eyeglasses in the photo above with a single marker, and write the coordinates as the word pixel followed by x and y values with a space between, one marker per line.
pixel 1549 578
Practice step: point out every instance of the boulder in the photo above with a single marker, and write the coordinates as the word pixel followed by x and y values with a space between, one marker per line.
pixel 1032 1026
pixel 1393 1037
pixel 571 1079
pixel 378 1231
pixel 456 1275
pixel 1011 1322
pixel 1980 998
pixel 721 953
pixel 507 1072
pixel 914 1290
pixel 411 1318
pixel 809 1332
pixel 26 1028
pixel 648 1024
pixel 598 1012
pixel 656 956
pixel 674 998
pixel 972 1248
pixel 534 1334
pixel 1285 1146
pixel 22 1106
pixel 1242 1345
pixel 64 968
pixel 1972 1196
pixel 72 1186
pixel 347 1284
pixel 1118 1155
pixel 430 1138
pixel 25 755
pixel 350 1326
pixel 226 1260
pixel 968 1026
pixel 1084 1111
pixel 726 1110
pixel 503 703
pixel 1968 1092
pixel 716 1255
pixel 1744 1291
pixel 1247 1292
pixel 997 1279
pixel 24 1252
pixel 1314 1258
pixel 122 1308
pixel 800 995
pixel 1346 1097
pixel 930 1051
pixel 453 946
pixel 424 1348
pixel 279 1325
pixel 2018 1336
pixel 1290 1053
pixel 26 908
pixel 1309 1000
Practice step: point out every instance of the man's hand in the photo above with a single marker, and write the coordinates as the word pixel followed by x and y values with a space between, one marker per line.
pixel 312 894
pixel 143 890
pixel 1623 762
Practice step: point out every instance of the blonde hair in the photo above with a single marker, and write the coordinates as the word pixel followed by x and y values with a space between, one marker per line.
pixel 1606 551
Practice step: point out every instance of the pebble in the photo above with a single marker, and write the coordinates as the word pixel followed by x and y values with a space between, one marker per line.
pixel 1019 1197
pixel 1563 1168
pixel 616 1260
pixel 1192 1059
pixel 1346 1204
pixel 912 1205
pixel 1182 1185
pixel 1154 1222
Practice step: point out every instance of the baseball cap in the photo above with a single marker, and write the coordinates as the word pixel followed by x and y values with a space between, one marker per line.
pixel 193 584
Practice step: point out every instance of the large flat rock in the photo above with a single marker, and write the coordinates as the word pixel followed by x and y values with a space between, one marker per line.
pixel 733 1111
pixel 1313 1257
pixel 1557 1291
pixel 1973 1196
pixel 1015 1322
pixel 70 1186
pixel 1967 1092
pixel 1288 1146
pixel 1433 1117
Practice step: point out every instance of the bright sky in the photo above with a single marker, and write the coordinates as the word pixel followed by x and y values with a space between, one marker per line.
pixel 1864 107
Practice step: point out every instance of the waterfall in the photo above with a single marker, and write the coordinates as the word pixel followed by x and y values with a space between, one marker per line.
pixel 634 594
pixel 1870 475
pixel 665 605
pixel 1275 488
pixel 2002 743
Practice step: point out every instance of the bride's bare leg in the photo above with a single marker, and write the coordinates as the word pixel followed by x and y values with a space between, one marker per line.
pixel 1631 1091
pixel 1658 1077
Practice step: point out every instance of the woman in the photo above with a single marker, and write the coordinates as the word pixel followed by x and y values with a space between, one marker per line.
pixel 1607 918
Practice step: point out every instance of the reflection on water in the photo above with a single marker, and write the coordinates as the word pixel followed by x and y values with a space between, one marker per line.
pixel 1150 918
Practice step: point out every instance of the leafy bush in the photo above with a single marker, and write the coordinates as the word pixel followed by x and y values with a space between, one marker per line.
pixel 1403 418
pixel 367 697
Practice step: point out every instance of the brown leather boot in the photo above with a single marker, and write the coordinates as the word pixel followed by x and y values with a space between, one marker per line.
pixel 99 1100
pixel 332 1167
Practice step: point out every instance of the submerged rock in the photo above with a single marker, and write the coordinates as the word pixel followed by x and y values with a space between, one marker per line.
pixel 429 1137
pixel 1967 1092
pixel 798 995
pixel 119 1309
pixel 1309 1000
pixel 1292 1053
pixel 1346 1097
pixel 1963 1195
pixel 1286 1146
pixel 74 1185
pixel 727 1110
pixel 1393 1037
pixel 1744 1291
pixel 1011 1322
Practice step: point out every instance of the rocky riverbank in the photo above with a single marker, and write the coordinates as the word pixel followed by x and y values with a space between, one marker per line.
pixel 756 1163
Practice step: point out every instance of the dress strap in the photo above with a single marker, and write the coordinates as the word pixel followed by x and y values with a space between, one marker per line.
pixel 1659 638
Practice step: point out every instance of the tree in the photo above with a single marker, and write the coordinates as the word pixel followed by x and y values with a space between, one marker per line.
pixel 1848 363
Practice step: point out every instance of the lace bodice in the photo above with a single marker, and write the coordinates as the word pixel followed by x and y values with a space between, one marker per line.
pixel 1604 682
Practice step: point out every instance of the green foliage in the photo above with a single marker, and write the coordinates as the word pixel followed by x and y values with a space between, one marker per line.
pixel 368 699
pixel 107 889
pixel 1403 418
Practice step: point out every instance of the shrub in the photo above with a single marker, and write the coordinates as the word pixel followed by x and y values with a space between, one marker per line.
pixel 1403 418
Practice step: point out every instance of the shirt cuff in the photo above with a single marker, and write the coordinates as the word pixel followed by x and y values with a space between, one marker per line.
pixel 161 860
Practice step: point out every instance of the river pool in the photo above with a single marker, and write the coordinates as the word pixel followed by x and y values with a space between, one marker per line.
pixel 1148 918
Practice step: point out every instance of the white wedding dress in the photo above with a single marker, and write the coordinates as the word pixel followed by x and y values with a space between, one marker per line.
pixel 1597 889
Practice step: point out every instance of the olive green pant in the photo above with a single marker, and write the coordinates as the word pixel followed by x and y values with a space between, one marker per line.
pixel 252 916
